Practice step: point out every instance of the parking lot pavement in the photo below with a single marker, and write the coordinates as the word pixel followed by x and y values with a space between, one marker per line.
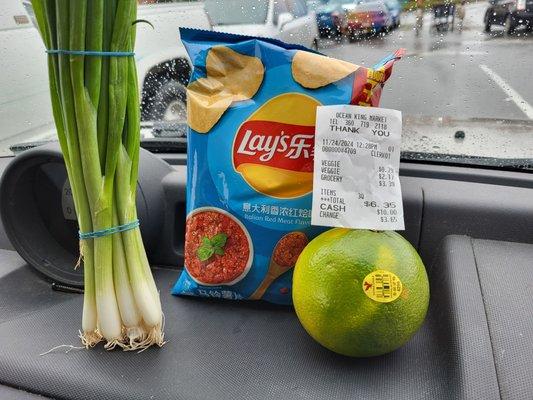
pixel 467 74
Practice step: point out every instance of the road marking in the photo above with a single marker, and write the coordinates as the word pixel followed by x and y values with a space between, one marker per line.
pixel 452 53
pixel 520 102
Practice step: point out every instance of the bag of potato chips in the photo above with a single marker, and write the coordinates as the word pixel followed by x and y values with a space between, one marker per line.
pixel 251 107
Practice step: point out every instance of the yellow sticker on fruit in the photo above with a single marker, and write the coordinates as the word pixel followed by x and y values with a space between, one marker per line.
pixel 382 286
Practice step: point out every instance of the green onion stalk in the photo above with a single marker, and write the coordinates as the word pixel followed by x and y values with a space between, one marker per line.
pixel 95 103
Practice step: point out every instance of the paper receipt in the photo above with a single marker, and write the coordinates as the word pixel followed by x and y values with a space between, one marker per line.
pixel 356 166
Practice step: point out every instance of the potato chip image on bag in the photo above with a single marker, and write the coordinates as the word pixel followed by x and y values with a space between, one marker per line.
pixel 251 111
pixel 231 76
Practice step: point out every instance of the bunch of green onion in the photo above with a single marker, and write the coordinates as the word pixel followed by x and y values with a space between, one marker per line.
pixel 95 102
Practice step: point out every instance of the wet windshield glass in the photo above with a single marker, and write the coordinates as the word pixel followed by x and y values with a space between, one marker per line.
pixel 237 12
pixel 463 87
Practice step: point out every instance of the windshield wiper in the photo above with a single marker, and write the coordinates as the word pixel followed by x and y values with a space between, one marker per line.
pixel 164 136
pixel 154 145
pixel 510 164
pixel 164 129
pixel 156 136
pixel 20 147
pixel 165 145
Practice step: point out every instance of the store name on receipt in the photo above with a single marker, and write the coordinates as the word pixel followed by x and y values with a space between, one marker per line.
pixel 365 123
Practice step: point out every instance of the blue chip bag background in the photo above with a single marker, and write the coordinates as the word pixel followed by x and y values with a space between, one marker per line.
pixel 212 180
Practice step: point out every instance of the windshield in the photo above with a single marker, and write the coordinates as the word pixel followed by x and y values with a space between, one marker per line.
pixel 237 12
pixel 463 87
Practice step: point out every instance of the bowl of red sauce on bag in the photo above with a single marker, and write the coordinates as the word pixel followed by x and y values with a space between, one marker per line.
pixel 218 248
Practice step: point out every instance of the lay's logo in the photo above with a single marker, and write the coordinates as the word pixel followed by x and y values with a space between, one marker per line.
pixel 273 143
pixel 273 149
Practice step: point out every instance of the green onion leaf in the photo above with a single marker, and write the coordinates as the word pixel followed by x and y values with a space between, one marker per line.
pixel 95 104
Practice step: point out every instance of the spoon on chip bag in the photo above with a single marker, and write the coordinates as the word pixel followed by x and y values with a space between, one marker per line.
pixel 251 111
pixel 284 257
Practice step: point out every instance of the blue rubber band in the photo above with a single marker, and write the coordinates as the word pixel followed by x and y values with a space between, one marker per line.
pixel 109 231
pixel 93 53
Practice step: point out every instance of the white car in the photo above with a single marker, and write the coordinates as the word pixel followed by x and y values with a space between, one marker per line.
pixel 287 20
pixel 162 63
pixel 163 67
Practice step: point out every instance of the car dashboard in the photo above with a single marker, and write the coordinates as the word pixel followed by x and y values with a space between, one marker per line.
pixel 472 228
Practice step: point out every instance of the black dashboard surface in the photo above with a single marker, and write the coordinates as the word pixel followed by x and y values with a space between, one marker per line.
pixel 475 342
pixel 229 350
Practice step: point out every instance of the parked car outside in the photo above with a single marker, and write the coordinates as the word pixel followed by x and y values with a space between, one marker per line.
pixel 509 13
pixel 330 18
pixel 287 20
pixel 162 63
pixel 366 17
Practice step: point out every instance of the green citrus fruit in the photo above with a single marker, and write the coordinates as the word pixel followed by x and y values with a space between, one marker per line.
pixel 360 293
